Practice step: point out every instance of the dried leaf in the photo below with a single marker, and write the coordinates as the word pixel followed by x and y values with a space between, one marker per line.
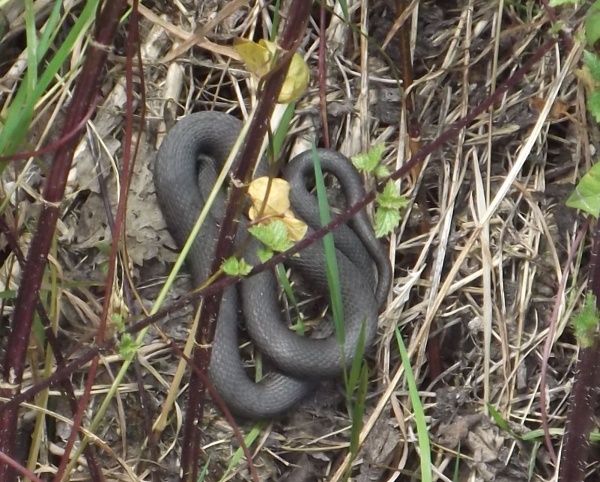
pixel 279 197
pixel 258 58
pixel 255 56
pixel 276 207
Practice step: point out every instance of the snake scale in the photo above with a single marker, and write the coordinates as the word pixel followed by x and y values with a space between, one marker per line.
pixel 191 154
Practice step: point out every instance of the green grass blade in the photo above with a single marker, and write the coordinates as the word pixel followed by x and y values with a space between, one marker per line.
pixel 533 461
pixel 50 30
pixel 289 292
pixel 81 26
pixel 358 412
pixel 276 20
pixel 20 113
pixel 357 366
pixel 333 276
pixel 345 11
pixel 32 56
pixel 456 474
pixel 503 424
pixel 357 370
pixel 282 131
pixel 202 475
pixel 422 432
pixel 239 453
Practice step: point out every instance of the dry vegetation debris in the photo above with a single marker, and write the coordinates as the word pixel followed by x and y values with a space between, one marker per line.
pixel 478 257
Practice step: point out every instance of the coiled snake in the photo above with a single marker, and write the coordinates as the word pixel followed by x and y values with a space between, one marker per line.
pixel 189 158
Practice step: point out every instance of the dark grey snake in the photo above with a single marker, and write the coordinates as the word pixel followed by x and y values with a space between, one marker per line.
pixel 189 158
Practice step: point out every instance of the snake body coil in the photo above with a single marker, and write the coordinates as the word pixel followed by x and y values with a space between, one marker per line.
pixel 188 160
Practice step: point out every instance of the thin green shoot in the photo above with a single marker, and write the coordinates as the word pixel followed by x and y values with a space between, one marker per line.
pixel 533 460
pixel 51 30
pixel 499 419
pixel 204 472
pixel 419 413
pixel 357 380
pixel 354 377
pixel 20 112
pixel 278 138
pixel 456 474
pixel 345 11
pixel 284 281
pixel 331 267
pixel 358 383
pixel 239 453
pixel 276 19
pixel 32 58
pixel 358 412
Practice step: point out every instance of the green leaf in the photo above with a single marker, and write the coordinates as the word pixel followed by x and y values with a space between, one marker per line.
pixel 128 346
pixel 274 235
pixel 264 254
pixel 118 321
pixel 592 24
pixel 558 3
pixel 386 220
pixel 592 62
pixel 381 171
pixel 390 197
pixel 387 214
pixel 368 162
pixel 593 104
pixel 236 267
pixel 585 322
pixel 587 193
pixel 503 424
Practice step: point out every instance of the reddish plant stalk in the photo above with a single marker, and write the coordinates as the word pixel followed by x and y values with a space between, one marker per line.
pixel 63 373
pixel 580 420
pixel 293 34
pixel 53 342
pixel 85 92
pixel 279 258
pixel 125 177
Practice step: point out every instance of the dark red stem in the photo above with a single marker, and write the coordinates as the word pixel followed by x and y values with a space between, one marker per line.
pixel 86 90
pixel 293 34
